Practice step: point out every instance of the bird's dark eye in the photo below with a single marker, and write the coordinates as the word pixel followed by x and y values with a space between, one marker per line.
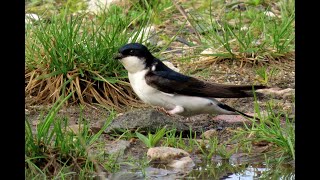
pixel 131 52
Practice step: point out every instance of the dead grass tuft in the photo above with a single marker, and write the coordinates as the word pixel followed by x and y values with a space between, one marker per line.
pixel 44 89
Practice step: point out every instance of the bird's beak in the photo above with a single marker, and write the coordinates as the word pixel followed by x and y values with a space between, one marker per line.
pixel 118 56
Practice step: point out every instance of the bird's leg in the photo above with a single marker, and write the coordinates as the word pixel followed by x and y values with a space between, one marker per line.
pixel 161 109
pixel 176 110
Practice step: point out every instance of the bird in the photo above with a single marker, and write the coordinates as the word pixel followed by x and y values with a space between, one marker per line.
pixel 158 85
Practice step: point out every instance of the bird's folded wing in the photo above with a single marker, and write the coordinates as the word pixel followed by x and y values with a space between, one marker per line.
pixel 176 83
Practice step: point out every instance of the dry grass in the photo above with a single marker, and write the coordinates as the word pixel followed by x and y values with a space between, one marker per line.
pixel 87 91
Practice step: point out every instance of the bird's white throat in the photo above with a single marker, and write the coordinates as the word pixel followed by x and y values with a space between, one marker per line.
pixel 133 64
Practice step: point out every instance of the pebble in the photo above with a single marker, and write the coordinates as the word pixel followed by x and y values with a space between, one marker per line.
pixel 210 134
pixel 175 158
pixel 117 146
pixel 165 154
pixel 183 163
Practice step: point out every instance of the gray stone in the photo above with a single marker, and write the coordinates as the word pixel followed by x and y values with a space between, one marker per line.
pixel 145 120
pixel 115 147
pixel 126 175
pixel 159 173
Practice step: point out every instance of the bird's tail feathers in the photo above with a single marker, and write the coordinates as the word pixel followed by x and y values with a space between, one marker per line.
pixel 248 90
pixel 246 115
pixel 247 87
pixel 228 108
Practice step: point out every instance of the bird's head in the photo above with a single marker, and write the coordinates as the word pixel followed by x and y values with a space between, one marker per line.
pixel 134 57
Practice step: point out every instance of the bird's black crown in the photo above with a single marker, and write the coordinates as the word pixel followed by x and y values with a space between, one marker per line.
pixel 134 49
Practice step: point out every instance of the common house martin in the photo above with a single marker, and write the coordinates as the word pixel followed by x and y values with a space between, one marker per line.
pixel 156 84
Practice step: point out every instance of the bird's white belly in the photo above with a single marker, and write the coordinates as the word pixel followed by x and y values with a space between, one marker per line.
pixel 147 93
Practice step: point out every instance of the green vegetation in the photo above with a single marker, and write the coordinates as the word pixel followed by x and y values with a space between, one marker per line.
pixel 173 139
pixel 152 140
pixel 77 52
pixel 251 35
pixel 55 150
pixel 265 75
pixel 281 134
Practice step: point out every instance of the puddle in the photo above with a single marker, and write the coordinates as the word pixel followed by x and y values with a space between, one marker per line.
pixel 240 172
pixel 220 170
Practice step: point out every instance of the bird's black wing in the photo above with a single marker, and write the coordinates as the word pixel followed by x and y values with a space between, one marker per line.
pixel 169 81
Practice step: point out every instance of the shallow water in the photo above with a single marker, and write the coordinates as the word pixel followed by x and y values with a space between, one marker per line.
pixel 246 172
pixel 221 170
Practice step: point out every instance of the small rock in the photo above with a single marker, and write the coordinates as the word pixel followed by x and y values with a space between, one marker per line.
pixel 117 146
pixel 231 119
pixel 183 163
pixel 210 134
pixel 145 120
pixel 166 154
pixel 96 127
pixel 126 175
pixel 158 173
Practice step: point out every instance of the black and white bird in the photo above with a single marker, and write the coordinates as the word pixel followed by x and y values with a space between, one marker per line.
pixel 158 85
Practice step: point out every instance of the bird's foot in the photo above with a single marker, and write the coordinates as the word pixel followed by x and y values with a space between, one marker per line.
pixel 176 110
pixel 161 109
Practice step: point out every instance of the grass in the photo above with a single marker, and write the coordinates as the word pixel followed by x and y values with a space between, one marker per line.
pixel 173 139
pixel 252 36
pixel 153 139
pixel 55 151
pixel 265 75
pixel 77 52
pixel 273 130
